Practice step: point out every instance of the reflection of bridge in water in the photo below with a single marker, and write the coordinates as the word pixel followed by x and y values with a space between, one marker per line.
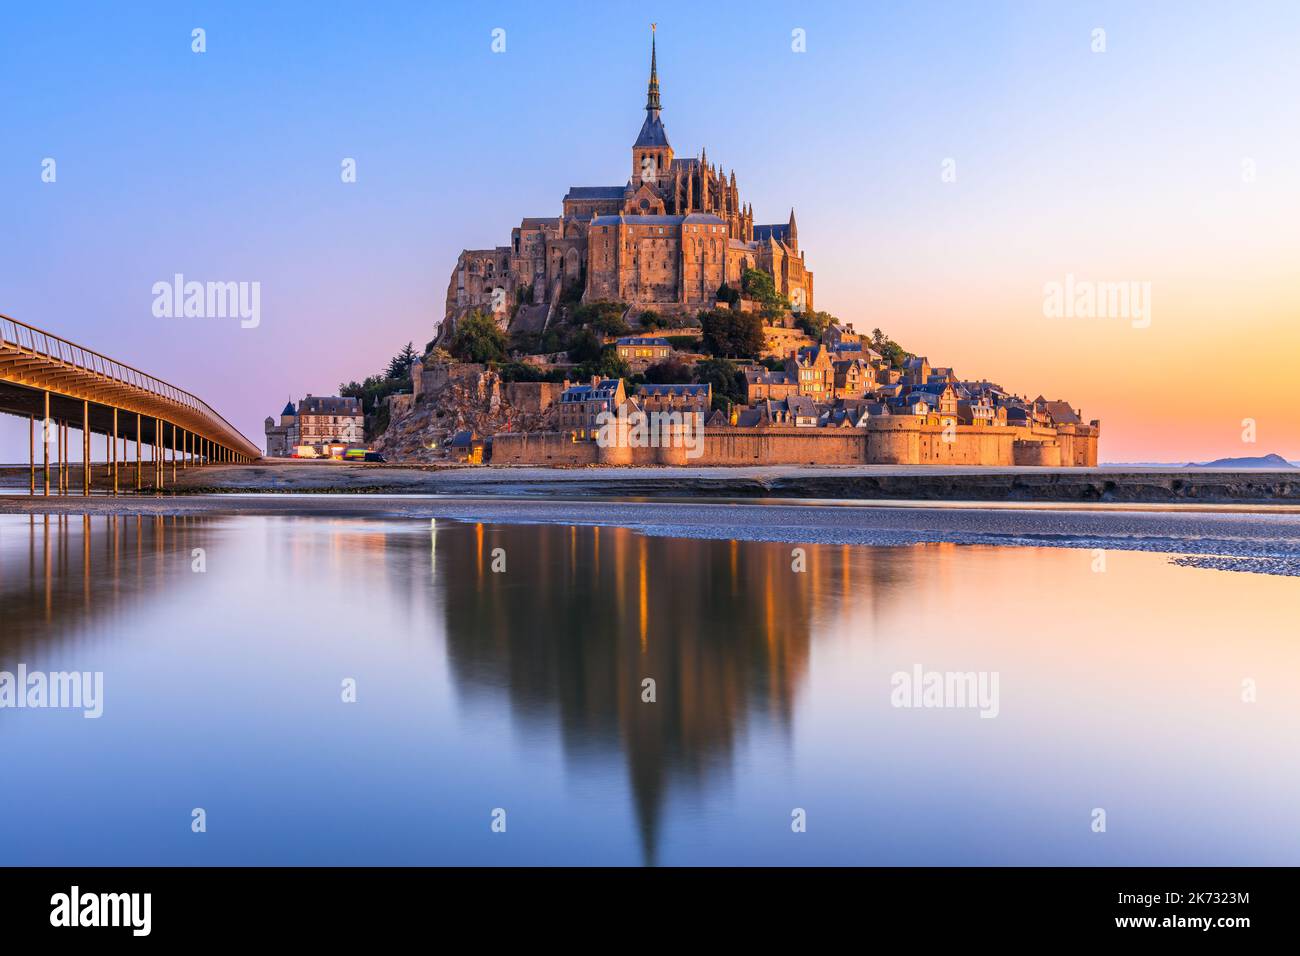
pixel 63 386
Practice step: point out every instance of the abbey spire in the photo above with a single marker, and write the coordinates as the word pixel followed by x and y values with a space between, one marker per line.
pixel 652 93
pixel 652 156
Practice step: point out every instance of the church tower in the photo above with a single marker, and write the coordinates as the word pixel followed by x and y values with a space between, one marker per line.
pixel 652 157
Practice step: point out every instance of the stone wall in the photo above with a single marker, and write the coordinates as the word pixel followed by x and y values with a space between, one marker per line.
pixel 541 448
pixel 532 398
pixel 901 440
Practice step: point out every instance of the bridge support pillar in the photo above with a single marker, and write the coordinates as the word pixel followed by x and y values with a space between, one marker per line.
pixel 114 454
pixel 31 451
pixel 139 432
pixel 45 444
pixel 85 449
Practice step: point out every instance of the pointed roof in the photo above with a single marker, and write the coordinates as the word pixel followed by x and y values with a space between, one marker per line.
pixel 289 409
pixel 652 130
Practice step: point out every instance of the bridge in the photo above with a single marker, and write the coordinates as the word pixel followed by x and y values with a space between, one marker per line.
pixel 58 385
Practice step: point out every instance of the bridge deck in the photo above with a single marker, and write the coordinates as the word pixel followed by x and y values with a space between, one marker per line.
pixel 82 384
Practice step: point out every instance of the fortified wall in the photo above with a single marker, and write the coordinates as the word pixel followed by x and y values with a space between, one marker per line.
pixel 896 441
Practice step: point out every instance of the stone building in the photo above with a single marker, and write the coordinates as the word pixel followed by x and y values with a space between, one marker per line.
pixel 666 239
pixel 324 420
pixel 697 398
pixel 580 406
pixel 317 421
pixel 281 438
pixel 643 349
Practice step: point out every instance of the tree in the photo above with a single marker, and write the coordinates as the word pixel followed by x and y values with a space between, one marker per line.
pixel 726 379
pixel 733 334
pixel 759 287
pixel 478 339
pixel 611 325
pixel 670 371
pixel 889 350
pixel 571 293
pixel 601 313
pixel 816 323
pixel 611 366
pixel 584 346
pixel 650 319
pixel 894 353
pixel 400 364
pixel 728 295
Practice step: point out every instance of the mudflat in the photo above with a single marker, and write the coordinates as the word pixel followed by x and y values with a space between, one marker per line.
pixel 1114 484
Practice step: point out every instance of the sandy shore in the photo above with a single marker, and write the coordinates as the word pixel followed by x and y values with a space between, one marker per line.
pixel 864 482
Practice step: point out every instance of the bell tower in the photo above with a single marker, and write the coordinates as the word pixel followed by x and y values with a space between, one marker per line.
pixel 652 156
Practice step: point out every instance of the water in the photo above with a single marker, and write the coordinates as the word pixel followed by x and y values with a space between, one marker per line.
pixel 1120 688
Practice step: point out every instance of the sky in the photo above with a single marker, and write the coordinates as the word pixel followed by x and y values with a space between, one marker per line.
pixel 947 163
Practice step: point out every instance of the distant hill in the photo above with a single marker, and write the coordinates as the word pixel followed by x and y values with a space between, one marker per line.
pixel 1262 461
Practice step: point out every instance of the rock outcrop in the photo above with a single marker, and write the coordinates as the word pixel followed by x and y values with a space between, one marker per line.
pixel 452 397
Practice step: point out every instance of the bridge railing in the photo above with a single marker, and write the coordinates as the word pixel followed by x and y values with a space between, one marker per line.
pixel 28 338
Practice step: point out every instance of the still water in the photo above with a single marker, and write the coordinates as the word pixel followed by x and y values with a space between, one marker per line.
pixel 227 645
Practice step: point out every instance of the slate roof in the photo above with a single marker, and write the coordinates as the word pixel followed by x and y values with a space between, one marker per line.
pixel 652 131
pixel 1062 413
pixel 331 405
pixel 643 340
pixel 778 231
pixel 582 393
pixel 638 220
pixel 764 376
pixel 692 389
pixel 801 406
pixel 595 192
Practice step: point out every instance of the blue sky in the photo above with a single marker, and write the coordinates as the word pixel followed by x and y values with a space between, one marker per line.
pixel 225 166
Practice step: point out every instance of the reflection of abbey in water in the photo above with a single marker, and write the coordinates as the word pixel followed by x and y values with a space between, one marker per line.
pixel 722 627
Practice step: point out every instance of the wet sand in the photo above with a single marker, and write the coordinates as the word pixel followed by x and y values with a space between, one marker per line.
pixel 1116 484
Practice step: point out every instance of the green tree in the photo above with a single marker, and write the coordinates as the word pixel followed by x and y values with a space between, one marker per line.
pixel 601 314
pixel 731 334
pixel 584 346
pixel 400 364
pixel 727 380
pixel 650 319
pixel 572 292
pixel 759 287
pixel 611 366
pixel 670 371
pixel 889 350
pixel 478 339
pixel 815 323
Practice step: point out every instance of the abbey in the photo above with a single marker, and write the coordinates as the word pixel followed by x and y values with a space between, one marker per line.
pixel 667 240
